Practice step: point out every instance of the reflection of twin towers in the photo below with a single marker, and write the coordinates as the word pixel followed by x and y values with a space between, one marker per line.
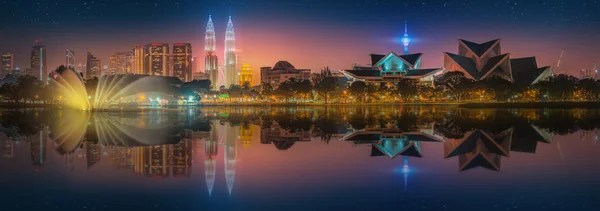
pixel 228 138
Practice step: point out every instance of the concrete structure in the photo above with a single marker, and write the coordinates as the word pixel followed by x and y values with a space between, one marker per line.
pixel 246 75
pixel 8 64
pixel 38 62
pixel 70 58
pixel 201 76
pixel 182 61
pixel 392 68
pixel 121 63
pixel 211 61
pixel 230 62
pixel 480 61
pixel 139 56
pixel 282 71
pixel 93 67
pixel 195 65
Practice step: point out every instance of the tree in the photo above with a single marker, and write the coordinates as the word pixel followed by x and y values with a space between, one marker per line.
pixel 28 87
pixel 407 88
pixel 358 89
pixel 266 90
pixel 455 83
pixel 234 91
pixel 324 83
pixel 500 87
pixel 588 89
pixel 560 87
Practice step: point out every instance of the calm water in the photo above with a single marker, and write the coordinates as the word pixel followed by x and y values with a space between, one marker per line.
pixel 301 158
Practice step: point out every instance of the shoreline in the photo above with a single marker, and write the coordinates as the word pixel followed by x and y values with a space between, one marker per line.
pixel 459 105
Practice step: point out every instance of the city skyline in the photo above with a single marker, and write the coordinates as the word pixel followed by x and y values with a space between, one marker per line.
pixel 269 37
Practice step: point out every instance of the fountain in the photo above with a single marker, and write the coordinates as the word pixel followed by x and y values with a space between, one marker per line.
pixel 110 90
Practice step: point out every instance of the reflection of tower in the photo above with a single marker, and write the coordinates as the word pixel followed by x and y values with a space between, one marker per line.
pixel 230 156
pixel 151 161
pixel 211 60
pixel 38 148
pixel 405 39
pixel 69 159
pixel 230 56
pixel 405 171
pixel 7 148
pixel 211 148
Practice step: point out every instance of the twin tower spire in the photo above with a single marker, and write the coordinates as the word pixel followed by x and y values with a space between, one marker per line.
pixel 230 72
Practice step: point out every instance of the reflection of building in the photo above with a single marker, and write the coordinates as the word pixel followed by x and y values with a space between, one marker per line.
pixel 211 60
pixel 151 161
pixel 182 158
pixel 282 71
pixel 393 68
pixel 246 135
pixel 211 148
pixel 93 153
pixel 38 62
pixel 93 67
pixel 282 139
pixel 481 61
pixel 392 142
pixel 182 61
pixel 230 62
pixel 230 157
pixel 7 148
pixel 479 149
pixel 246 75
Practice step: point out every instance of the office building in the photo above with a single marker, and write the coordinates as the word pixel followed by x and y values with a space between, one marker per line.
pixel 282 71
pixel 70 58
pixel 139 56
pixel 93 67
pixel 157 59
pixel 121 63
pixel 38 62
pixel 182 61
pixel 195 65
pixel 8 64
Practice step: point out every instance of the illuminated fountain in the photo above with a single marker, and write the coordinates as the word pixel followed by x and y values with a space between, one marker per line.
pixel 111 90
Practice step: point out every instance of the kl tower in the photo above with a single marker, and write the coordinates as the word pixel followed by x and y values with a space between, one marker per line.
pixel 405 39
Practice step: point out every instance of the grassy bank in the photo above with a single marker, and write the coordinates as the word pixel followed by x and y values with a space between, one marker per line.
pixel 533 105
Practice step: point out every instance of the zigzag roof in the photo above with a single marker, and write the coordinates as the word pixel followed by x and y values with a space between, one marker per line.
pixel 479 49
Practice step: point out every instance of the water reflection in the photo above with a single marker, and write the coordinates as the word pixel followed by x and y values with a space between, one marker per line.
pixel 168 143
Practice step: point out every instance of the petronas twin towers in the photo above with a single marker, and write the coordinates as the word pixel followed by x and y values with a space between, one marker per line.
pixel 230 72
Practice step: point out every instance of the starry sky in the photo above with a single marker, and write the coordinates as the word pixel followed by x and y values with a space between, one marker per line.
pixel 308 33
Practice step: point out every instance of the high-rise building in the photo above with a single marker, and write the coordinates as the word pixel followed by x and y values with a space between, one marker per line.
pixel 246 75
pixel 70 58
pixel 121 63
pixel 230 63
pixel 139 56
pixel 211 60
pixel 157 57
pixel 195 65
pixel 93 67
pixel 182 61
pixel 8 63
pixel 38 62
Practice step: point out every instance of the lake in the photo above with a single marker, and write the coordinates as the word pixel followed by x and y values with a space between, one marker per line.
pixel 300 158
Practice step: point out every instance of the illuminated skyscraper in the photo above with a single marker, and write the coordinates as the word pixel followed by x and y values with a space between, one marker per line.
pixel 38 62
pixel 70 58
pixel 8 63
pixel 211 60
pixel 246 75
pixel 195 65
pixel 121 63
pixel 405 39
pixel 139 56
pixel 93 67
pixel 156 59
pixel 182 61
pixel 230 63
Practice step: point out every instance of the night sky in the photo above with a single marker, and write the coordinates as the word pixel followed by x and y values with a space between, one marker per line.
pixel 309 34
